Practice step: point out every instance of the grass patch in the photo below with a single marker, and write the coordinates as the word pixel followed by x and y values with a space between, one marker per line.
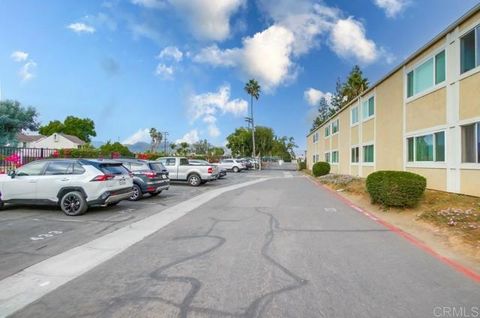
pixel 456 213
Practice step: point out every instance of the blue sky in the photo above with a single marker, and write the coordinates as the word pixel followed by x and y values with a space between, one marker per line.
pixel 181 65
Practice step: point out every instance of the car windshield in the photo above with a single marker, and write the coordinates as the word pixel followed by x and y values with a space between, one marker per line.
pixel 114 168
pixel 157 166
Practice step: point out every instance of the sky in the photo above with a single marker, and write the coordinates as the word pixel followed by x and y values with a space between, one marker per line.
pixel 181 65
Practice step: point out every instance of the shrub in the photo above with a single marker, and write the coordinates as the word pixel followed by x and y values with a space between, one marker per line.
pixel 302 165
pixel 321 169
pixel 395 188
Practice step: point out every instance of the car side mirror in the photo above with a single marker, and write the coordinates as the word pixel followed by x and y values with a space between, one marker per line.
pixel 12 174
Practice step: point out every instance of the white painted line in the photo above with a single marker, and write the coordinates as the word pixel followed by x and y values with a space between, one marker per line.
pixel 330 209
pixel 21 289
pixel 357 208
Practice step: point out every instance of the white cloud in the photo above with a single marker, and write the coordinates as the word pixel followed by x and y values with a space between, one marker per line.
pixel 151 4
pixel 190 137
pixel 164 71
pixel 140 135
pixel 209 20
pixel 19 56
pixel 171 52
pixel 27 71
pixel 348 40
pixel 392 7
pixel 297 27
pixel 80 27
pixel 313 96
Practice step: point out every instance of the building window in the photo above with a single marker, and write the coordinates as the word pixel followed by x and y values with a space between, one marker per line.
pixel 316 158
pixel 327 157
pixel 368 108
pixel 327 131
pixel 335 127
pixel 470 50
pixel 429 147
pixel 313 160
pixel 334 156
pixel 315 137
pixel 471 143
pixel 354 115
pixel 355 154
pixel 368 154
pixel 430 73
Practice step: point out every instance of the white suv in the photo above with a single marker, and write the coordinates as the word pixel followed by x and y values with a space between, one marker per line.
pixel 74 184
pixel 232 164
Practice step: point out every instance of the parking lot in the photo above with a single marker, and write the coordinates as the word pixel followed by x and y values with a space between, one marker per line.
pixel 29 235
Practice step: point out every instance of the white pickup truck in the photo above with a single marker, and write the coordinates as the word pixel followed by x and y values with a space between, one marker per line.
pixel 179 169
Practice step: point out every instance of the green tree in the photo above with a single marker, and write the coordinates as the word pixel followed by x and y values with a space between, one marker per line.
pixel 172 147
pixel 265 137
pixel 355 85
pixel 109 148
pixel 184 148
pixel 324 113
pixel 240 142
pixel 13 119
pixel 83 128
pixel 156 137
pixel 253 89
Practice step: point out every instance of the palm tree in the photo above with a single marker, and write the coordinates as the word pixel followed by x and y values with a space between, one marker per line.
pixel 173 146
pixel 253 89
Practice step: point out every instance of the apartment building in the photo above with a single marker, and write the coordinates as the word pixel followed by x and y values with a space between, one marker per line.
pixel 422 117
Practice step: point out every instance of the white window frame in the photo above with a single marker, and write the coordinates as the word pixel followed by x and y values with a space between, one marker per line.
pixel 338 127
pixel 374 107
pixel 359 157
pixel 476 69
pixel 368 164
pixel 329 127
pixel 435 87
pixel 426 164
pixel 331 157
pixel 352 124
pixel 471 165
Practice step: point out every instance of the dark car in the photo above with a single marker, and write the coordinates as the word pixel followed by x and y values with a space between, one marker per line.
pixel 148 177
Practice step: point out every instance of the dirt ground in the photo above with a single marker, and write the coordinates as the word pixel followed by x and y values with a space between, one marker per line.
pixel 448 223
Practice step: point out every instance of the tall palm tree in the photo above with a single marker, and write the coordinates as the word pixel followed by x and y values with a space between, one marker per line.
pixel 253 89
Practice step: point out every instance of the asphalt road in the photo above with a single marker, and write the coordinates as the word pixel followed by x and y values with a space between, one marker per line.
pixel 280 248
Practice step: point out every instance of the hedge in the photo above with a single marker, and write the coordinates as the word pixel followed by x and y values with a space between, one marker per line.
pixel 321 168
pixel 395 188
pixel 302 165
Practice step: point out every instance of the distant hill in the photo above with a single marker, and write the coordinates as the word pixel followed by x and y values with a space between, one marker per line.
pixel 139 146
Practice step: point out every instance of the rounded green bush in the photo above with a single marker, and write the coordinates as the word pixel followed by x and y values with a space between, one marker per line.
pixel 395 188
pixel 321 168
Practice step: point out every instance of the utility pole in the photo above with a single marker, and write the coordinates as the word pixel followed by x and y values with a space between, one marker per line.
pixel 165 134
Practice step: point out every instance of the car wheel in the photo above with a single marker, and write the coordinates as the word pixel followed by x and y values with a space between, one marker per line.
pixel 194 180
pixel 137 193
pixel 235 169
pixel 154 194
pixel 2 205
pixel 73 203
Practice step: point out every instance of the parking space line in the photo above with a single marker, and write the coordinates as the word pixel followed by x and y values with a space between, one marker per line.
pixel 22 288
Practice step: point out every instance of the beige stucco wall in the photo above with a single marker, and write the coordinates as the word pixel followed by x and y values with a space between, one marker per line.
pixel 368 130
pixel 389 121
pixel 469 23
pixel 366 170
pixel 354 170
pixel 427 111
pixel 334 142
pixel 355 136
pixel 310 151
pixel 55 141
pixel 470 97
pixel 436 178
pixel 469 182
pixel 344 142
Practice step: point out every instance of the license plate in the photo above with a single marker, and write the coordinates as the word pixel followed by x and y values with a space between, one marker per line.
pixel 123 181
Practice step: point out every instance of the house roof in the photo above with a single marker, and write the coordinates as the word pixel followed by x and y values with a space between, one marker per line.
pixel 21 137
pixel 73 139
pixel 441 35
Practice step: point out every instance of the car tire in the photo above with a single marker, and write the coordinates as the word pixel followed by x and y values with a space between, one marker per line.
pixel 154 194
pixel 137 193
pixel 2 205
pixel 114 203
pixel 194 180
pixel 235 169
pixel 73 203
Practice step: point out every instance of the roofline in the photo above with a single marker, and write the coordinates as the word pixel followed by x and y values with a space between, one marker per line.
pixel 415 54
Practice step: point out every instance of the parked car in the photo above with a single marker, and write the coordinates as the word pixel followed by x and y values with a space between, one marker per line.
pixel 73 184
pixel 222 172
pixel 148 177
pixel 180 169
pixel 232 165
pixel 248 162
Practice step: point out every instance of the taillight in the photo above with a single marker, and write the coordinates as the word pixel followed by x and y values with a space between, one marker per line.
pixel 103 177
pixel 150 174
pixel 210 170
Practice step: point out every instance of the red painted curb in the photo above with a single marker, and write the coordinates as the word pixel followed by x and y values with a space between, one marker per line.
pixel 455 265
